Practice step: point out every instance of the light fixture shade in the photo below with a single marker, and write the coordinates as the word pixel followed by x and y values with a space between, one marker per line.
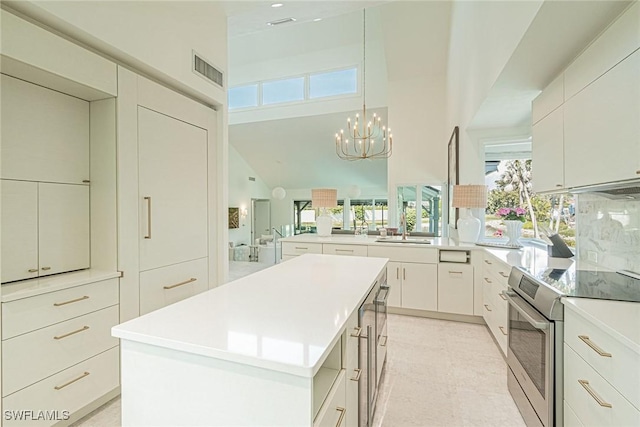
pixel 469 196
pixel 278 193
pixel 324 198
pixel 354 191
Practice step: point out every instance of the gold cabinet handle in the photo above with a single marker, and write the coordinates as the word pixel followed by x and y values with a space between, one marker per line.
pixel 193 279
pixel 342 412
pixel 344 250
pixel 487 280
pixel 46 268
pixel 357 331
pixel 58 304
pixel 593 346
pixel 486 261
pixel 148 200
pixel 455 272
pixel 358 373
pixel 638 172
pixel 502 330
pixel 301 247
pixel 59 337
pixel 592 392
pixel 404 274
pixel 502 296
pixel 385 341
pixel 32 270
pixel 558 185
pixel 487 307
pixel 506 276
pixel 398 273
pixel 60 387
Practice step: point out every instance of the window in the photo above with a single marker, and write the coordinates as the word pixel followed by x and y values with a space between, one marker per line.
pixel 429 199
pixel 372 212
pixel 333 83
pixel 279 91
pixel 243 96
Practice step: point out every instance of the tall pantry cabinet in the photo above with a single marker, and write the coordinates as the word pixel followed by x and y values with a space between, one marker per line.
pixel 166 158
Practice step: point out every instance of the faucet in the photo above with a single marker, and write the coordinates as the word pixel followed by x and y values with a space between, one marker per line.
pixel 403 224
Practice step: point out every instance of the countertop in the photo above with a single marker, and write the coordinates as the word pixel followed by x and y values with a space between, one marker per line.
pixel 285 318
pixel 350 239
pixel 46 284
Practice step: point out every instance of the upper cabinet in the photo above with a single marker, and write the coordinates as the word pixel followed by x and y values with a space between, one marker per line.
pixel 548 153
pixel 45 134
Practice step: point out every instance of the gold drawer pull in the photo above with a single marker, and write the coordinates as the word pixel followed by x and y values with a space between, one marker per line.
pixel 487 280
pixel 586 386
pixel 58 304
pixel 344 250
pixel 193 279
pixel 357 331
pixel 32 270
pixel 487 262
pixel 358 373
pixel 342 412
pixel 594 347
pixel 506 276
pixel 46 268
pixel 302 247
pixel 60 387
pixel 59 337
pixel 487 307
pixel 148 200
pixel 455 272
pixel 502 296
pixel 385 341
pixel 502 330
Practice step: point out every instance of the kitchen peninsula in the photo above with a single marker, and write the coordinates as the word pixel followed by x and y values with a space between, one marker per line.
pixel 273 348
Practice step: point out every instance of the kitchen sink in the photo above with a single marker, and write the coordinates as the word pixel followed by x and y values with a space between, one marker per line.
pixel 408 241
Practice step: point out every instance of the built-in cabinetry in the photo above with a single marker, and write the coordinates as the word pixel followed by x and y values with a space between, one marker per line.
pixel 455 288
pixel 495 276
pixel 589 108
pixel 601 377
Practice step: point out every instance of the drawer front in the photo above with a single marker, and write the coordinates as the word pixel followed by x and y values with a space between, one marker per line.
pixel 497 268
pixel 168 285
pixel 350 250
pixel 620 368
pixel 455 288
pixel 28 358
pixel 594 400
pixel 334 411
pixel 570 417
pixel 28 314
pixel 290 248
pixel 405 254
pixel 69 390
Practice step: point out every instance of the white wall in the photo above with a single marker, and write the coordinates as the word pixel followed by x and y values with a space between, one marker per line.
pixel 483 37
pixel 155 37
pixel 241 191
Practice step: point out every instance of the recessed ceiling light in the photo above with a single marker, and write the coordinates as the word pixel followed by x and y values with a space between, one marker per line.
pixel 277 5
pixel 317 19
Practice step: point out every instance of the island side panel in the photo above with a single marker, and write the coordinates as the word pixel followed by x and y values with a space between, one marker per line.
pixel 163 387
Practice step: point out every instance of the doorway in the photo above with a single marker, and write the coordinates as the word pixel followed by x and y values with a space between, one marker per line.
pixel 261 222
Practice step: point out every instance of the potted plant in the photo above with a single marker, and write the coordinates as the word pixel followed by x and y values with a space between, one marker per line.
pixel 513 219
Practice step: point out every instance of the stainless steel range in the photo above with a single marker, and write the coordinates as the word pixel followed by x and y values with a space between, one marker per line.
pixel 536 332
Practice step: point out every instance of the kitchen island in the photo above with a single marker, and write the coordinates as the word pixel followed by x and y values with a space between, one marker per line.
pixel 268 349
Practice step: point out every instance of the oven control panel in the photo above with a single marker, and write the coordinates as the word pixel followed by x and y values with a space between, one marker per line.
pixel 528 286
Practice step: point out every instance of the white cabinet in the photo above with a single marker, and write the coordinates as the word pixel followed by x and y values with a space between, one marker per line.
pixel 394 281
pixel 45 134
pixel 549 99
pixel 455 288
pixel 419 286
pixel 348 250
pixel 173 190
pixel 291 249
pixel 46 229
pixel 495 306
pixel 602 130
pixel 548 152
pixel 19 230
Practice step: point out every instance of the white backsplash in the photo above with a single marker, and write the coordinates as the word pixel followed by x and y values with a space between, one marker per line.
pixel 608 232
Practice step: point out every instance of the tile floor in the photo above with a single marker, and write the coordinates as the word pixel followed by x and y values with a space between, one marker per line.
pixel 439 373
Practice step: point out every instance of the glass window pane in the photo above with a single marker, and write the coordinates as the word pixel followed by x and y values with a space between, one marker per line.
pixel 333 83
pixel 279 91
pixel 243 96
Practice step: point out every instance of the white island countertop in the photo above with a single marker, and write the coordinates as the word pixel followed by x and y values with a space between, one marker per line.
pixel 285 318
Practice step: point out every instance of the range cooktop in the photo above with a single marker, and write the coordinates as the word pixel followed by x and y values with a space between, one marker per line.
pixel 593 284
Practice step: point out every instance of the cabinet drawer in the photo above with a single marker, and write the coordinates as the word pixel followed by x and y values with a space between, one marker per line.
pixel 29 314
pixel 69 390
pixel 620 368
pixel 333 412
pixel 422 255
pixel 570 417
pixel 289 248
pixel 167 285
pixel 31 357
pixel 497 268
pixel 455 288
pixel 594 400
pixel 352 250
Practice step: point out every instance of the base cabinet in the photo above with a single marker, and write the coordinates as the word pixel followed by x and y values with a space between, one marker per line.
pixel 420 286
pixel 455 288
pixel 495 307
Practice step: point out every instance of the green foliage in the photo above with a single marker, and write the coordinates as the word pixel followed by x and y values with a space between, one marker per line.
pixel 411 219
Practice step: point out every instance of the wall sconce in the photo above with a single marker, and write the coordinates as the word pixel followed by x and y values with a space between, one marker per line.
pixel 243 213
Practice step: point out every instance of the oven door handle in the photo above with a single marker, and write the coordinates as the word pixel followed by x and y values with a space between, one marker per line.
pixel 526 311
pixel 382 300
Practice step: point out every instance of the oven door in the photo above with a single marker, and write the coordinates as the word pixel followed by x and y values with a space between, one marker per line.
pixel 530 357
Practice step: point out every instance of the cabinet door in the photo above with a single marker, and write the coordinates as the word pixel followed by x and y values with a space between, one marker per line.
pixel 420 286
pixel 63 224
pixel 548 153
pixel 172 190
pixel 19 230
pixel 455 288
pixel 602 129
pixel 394 280
pixel 45 134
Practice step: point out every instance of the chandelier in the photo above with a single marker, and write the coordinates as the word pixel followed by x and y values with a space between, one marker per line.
pixel 366 138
